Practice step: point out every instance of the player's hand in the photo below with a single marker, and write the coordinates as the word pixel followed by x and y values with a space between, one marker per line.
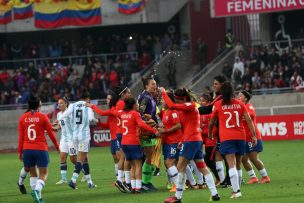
pixel 161 130
pixel 20 156
pixel 162 89
pixel 210 136
pixel 254 141
pixel 157 134
pixel 147 116
pixel 88 104
pixel 179 145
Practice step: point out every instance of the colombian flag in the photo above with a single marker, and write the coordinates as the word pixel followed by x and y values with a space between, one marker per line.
pixel 65 13
pixel 131 6
pixel 6 14
pixel 23 11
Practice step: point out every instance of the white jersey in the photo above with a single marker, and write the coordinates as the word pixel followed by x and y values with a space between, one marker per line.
pixel 66 127
pixel 81 117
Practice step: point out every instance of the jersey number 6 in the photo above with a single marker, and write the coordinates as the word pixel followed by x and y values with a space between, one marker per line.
pixel 31 133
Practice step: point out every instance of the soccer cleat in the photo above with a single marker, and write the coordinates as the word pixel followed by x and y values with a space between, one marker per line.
pixel 83 179
pixel 173 189
pixel 127 187
pixel 151 186
pixel 193 187
pixel 214 198
pixel 120 186
pixel 237 194
pixel 265 179
pixel 91 185
pixel 202 186
pixel 60 182
pixel 252 180
pixel 146 188
pixel 72 185
pixel 172 199
pixel 224 185
pixel 35 196
pixel 21 188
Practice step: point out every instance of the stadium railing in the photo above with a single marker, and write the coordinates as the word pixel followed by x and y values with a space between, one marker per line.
pixel 64 60
pixel 278 110
pixel 273 91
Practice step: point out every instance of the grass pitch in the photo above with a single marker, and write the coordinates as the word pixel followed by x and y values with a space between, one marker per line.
pixel 283 161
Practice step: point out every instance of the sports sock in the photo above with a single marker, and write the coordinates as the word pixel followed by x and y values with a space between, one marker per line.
pixel 86 168
pixel 181 179
pixel 210 183
pixel 173 173
pixel 133 184
pixel 234 179
pixel 145 173
pixel 189 175
pixel 199 175
pixel 33 182
pixel 263 172
pixel 152 169
pixel 137 184
pixel 220 170
pixel 63 171
pixel 120 175
pixel 251 173
pixel 77 170
pixel 22 176
pixel 127 177
pixel 39 186
pixel 116 169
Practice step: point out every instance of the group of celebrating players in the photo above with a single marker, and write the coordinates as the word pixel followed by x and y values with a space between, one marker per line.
pixel 226 125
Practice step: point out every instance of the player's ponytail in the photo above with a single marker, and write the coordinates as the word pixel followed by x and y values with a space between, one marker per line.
pixel 183 94
pixel 227 93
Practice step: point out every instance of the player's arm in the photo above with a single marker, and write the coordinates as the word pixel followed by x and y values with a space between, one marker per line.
pixel 50 132
pixel 143 105
pixel 91 116
pixel 172 105
pixel 251 126
pixel 20 139
pixel 210 128
pixel 100 111
pixel 104 125
pixel 67 112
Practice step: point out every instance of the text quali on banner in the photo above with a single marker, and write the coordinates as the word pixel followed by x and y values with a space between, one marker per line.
pixel 100 137
pixel 222 8
pixel 281 127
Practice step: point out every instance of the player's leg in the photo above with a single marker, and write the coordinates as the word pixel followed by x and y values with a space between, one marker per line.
pixel 199 175
pixel 245 161
pixel 238 159
pixel 87 174
pixel 22 176
pixel 138 174
pixel 233 174
pixel 63 167
pixel 254 158
pixel 148 168
pixel 127 171
pixel 219 166
pixel 132 176
pixel 209 158
pixel 156 157
pixel 191 182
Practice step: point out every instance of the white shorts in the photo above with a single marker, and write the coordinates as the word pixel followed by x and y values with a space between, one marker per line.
pixel 82 145
pixel 68 147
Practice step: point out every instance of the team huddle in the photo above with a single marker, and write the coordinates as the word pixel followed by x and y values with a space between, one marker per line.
pixel 159 120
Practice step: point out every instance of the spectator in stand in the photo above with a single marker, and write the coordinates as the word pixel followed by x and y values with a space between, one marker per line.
pixel 296 81
pixel 238 48
pixel 202 53
pixel 247 76
pixel 256 80
pixel 157 49
pixel 219 48
pixel 4 75
pixel 238 65
pixel 144 61
pixel 229 39
pixel 273 57
pixel 227 70
pixel 185 43
pixel 166 41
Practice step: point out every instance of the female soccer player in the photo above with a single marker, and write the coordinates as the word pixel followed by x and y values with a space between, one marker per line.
pixel 252 152
pixel 32 145
pixel 147 105
pixel 131 121
pixel 171 139
pixel 229 112
pixel 66 145
pixel 192 143
pixel 210 145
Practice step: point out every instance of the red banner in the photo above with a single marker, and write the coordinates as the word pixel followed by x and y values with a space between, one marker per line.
pixel 281 127
pixel 221 8
pixel 99 137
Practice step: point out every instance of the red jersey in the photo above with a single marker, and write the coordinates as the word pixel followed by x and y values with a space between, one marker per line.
pixel 229 116
pixel 111 121
pixel 31 129
pixel 251 111
pixel 169 119
pixel 191 121
pixel 205 120
pixel 131 121
pixel 119 108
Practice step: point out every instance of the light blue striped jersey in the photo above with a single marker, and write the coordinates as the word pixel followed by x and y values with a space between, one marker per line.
pixel 81 117
pixel 66 127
